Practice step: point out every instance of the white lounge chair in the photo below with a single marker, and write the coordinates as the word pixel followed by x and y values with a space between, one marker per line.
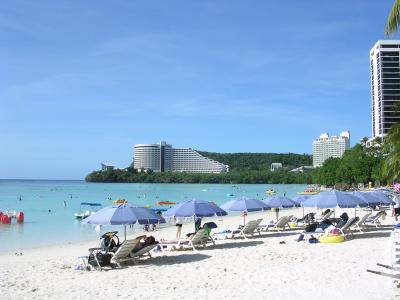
pixel 346 228
pixel 360 225
pixel 325 217
pixel 375 220
pixel 200 238
pixel 247 230
pixel 145 251
pixel 279 225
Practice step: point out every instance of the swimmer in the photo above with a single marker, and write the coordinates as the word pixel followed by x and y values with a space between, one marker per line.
pixel 20 198
pixel 49 210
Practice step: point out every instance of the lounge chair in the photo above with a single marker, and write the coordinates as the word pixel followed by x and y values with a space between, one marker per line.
pixel 326 216
pixel 346 228
pixel 279 225
pixel 145 251
pixel 375 220
pixel 122 254
pixel 360 225
pixel 247 230
pixel 200 238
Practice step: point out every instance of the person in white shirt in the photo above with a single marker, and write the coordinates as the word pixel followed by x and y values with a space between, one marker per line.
pixel 396 207
pixel 178 224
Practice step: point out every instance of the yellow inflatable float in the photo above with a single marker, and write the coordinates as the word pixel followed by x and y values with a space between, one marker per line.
pixel 331 239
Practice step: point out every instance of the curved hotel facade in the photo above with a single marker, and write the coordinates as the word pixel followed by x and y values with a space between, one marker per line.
pixel 163 158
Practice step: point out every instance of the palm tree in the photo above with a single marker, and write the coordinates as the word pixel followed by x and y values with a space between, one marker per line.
pixel 393 20
pixel 391 166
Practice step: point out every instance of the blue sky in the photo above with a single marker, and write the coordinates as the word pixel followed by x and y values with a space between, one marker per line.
pixel 81 82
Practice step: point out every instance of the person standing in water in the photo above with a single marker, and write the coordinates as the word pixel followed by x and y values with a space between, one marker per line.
pixel 20 198
pixel 65 203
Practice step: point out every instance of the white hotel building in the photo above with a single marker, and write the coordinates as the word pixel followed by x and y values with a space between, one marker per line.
pixel 329 146
pixel 163 158
pixel 385 85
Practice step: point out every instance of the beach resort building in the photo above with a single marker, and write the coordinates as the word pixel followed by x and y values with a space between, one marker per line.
pixel 276 167
pixel 107 167
pixel 385 85
pixel 162 157
pixel 329 146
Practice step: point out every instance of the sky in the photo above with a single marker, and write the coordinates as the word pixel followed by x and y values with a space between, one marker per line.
pixel 81 82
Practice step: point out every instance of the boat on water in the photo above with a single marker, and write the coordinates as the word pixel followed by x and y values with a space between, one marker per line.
pixel 311 190
pixel 87 209
pixel 270 192
pixel 166 203
pixel 120 201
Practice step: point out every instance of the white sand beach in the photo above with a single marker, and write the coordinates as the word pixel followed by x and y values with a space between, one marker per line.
pixel 256 268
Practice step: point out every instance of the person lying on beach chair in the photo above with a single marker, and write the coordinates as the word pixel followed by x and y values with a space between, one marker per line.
pixel 99 257
pixel 144 247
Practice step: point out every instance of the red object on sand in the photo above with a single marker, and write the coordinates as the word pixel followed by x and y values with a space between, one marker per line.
pixel 20 217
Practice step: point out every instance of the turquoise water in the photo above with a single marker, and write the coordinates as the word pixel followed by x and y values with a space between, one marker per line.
pixel 42 227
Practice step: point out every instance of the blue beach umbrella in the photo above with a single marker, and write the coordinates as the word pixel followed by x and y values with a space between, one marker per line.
pixel 123 214
pixel 194 208
pixel 279 202
pixel 332 199
pixel 300 199
pixel 244 205
pixel 372 198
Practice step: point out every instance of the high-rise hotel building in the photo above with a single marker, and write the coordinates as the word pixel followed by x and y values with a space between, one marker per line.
pixel 163 158
pixel 385 85
pixel 329 146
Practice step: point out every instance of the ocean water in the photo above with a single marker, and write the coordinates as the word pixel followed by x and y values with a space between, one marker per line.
pixel 49 222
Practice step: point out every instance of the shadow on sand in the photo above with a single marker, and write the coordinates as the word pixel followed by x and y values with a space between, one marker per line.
pixel 235 244
pixel 178 258
pixel 371 234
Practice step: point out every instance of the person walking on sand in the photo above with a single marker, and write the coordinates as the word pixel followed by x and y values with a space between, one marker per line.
pixel 179 225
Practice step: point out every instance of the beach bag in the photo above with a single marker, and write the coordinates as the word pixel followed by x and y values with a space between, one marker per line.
pixel 104 259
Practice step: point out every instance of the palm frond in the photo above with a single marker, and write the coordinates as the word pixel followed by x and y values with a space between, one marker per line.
pixel 393 20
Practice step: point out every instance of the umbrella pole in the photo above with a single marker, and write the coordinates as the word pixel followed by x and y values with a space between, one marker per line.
pixel 125 231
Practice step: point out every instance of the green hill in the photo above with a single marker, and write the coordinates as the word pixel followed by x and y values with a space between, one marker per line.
pixel 259 161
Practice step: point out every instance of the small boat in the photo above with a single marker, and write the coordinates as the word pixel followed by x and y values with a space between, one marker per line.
pixel 270 192
pixel 166 203
pixel 88 212
pixel 120 201
pixel 309 191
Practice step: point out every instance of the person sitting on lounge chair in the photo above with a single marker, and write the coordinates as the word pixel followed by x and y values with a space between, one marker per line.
pixel 144 242
pixel 343 220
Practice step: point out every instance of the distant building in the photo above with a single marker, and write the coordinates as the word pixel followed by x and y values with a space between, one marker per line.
pixel 329 146
pixel 385 85
pixel 163 157
pixel 107 167
pixel 276 167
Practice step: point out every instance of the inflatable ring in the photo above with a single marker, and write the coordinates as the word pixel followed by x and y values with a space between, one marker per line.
pixel 331 239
